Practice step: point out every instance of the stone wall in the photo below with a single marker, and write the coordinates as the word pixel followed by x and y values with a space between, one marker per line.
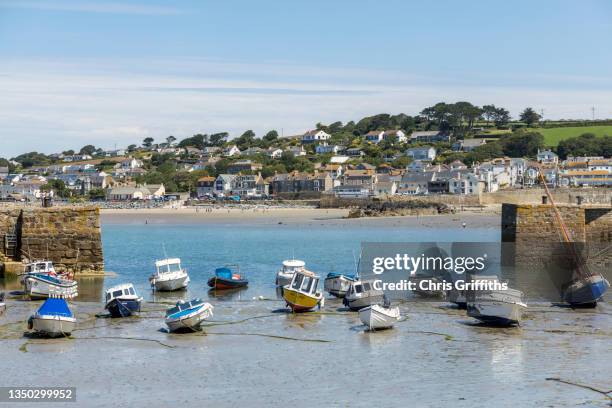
pixel 68 236
pixel 596 196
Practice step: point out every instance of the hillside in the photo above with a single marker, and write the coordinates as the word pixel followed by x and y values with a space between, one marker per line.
pixel 552 136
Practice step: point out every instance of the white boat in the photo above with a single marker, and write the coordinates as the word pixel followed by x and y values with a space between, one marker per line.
pixel 122 300
pixel 363 294
pixel 188 315
pixel 286 272
pixel 377 317
pixel 495 306
pixel 169 275
pixel 337 284
pixel 40 279
pixel 53 319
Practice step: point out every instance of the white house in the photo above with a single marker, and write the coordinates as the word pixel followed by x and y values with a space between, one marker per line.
pixel 325 148
pixel 399 134
pixel 315 136
pixel 274 153
pixel 464 183
pixel 224 183
pixel 374 136
pixel 230 151
pixel 339 159
pixel 297 150
pixel 427 153
pixel 547 157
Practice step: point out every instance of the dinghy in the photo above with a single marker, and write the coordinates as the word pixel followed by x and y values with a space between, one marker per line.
pixel 301 294
pixel 169 275
pixel 495 307
pixel 40 279
pixel 122 300
pixel 585 292
pixel 377 317
pixel 362 294
pixel 53 319
pixel 228 277
pixel 285 274
pixel 337 284
pixel 188 316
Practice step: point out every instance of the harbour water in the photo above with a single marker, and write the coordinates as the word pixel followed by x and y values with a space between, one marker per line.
pixel 254 353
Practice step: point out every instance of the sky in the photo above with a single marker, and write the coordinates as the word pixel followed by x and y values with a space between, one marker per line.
pixel 111 73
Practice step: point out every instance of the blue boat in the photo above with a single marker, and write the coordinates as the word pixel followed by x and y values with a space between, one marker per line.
pixel 228 277
pixel 53 319
pixel 122 300
pixel 188 316
pixel 585 292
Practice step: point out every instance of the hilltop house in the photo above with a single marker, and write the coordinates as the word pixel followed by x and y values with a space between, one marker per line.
pixel 429 136
pixel 230 151
pixel 243 166
pixel 325 148
pixel 297 151
pixel 316 135
pixel 374 136
pixel 427 153
pixel 274 153
pixel 467 145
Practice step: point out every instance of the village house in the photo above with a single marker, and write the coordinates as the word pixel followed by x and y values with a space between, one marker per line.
pixel 334 170
pixel 581 178
pixel 547 157
pixel 224 183
pixel 398 134
pixel 296 182
pixel 76 157
pixel 362 178
pixel 413 183
pixel 204 164
pixel 129 164
pixel 114 153
pixel 427 153
pixel 354 152
pixel 4 172
pixel 211 151
pixel 467 145
pixel 384 186
pixel 316 135
pixel 205 186
pixel 429 136
pixel 250 185
pixel 252 151
pixel 231 151
pixel 324 148
pixel 243 166
pixel 351 191
pixel 192 151
pixel 374 136
pixel 464 183
pixel 339 159
pixel 274 153
pixel 297 151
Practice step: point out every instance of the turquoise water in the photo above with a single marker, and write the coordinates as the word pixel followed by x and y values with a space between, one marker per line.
pixel 131 250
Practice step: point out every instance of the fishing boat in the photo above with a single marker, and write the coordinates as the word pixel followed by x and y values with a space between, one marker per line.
pixel 228 277
pixel 2 304
pixel 53 319
pixel 188 315
pixel 337 284
pixel 169 275
pixel 40 279
pixel 286 272
pixel 362 294
pixel 301 294
pixel 122 300
pixel 495 306
pixel 585 292
pixel 378 317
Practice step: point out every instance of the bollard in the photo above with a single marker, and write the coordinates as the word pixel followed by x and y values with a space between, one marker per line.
pixel 544 199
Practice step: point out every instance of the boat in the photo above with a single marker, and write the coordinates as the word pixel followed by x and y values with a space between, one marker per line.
pixel 188 315
pixel 2 304
pixel 585 292
pixel 301 294
pixel 362 294
pixel 337 284
pixel 40 279
pixel 427 286
pixel 122 300
pixel 457 297
pixel 378 317
pixel 169 275
pixel 228 277
pixel 285 274
pixel 495 306
pixel 53 319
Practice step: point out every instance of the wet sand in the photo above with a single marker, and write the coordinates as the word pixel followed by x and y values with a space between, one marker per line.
pixel 255 354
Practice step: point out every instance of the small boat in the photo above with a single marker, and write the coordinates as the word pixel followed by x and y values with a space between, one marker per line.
pixel 122 300
pixel 337 284
pixel 585 292
pixel 285 274
pixel 2 304
pixel 40 279
pixel 495 307
pixel 457 297
pixel 228 277
pixel 53 319
pixel 378 317
pixel 169 275
pixel 427 286
pixel 188 315
pixel 301 294
pixel 363 294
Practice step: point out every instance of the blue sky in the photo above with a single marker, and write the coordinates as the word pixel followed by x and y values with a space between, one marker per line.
pixel 78 72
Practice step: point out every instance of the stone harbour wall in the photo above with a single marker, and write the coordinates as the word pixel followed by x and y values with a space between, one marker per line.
pixel 68 236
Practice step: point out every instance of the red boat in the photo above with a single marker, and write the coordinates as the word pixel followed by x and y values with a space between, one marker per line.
pixel 228 277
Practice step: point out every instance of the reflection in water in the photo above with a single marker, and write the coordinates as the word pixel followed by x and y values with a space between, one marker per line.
pixel 169 297
pixel 507 356
pixel 227 294
pixel 91 288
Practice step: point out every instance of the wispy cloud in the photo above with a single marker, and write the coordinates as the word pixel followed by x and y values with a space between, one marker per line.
pixel 92 7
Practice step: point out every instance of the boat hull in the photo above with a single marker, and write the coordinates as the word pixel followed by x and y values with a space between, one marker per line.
pixel 300 302
pixel 190 322
pixel 377 317
pixel 170 285
pixel 496 313
pixel 122 307
pixel 586 292
pixel 51 325
pixel 337 286
pixel 283 278
pixel 364 301
pixel 222 284
pixel 39 288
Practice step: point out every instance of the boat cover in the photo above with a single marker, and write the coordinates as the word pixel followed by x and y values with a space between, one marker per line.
pixel 338 275
pixel 55 307
pixel 224 273
pixel 48 278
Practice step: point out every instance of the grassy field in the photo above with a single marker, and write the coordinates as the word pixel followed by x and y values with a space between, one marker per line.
pixel 552 136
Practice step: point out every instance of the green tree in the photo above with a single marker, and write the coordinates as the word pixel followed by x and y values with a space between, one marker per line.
pixel 132 148
pixel 501 117
pixel 246 140
pixel 586 144
pixel 88 149
pixel 271 136
pixel 147 142
pixel 170 139
pixel 218 139
pixel 522 143
pixel 529 116
pixel 488 112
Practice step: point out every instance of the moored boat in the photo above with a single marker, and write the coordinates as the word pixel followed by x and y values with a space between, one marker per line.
pixel 585 292
pixel 188 315
pixel 228 277
pixel 362 294
pixel 457 297
pixel 169 275
pixel 427 286
pixel 495 306
pixel 378 317
pixel 122 300
pixel 286 272
pixel 301 295
pixel 53 319
pixel 2 304
pixel 40 279
pixel 337 284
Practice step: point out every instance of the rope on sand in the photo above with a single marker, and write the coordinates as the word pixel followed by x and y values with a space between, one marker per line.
pixel 125 338
pixel 273 336
pixel 585 386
